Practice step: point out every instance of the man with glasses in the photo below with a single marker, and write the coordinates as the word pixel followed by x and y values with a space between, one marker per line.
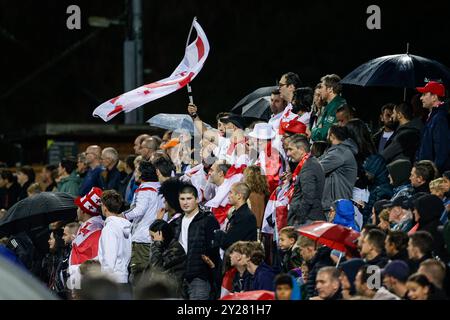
pixel 92 178
pixel 148 147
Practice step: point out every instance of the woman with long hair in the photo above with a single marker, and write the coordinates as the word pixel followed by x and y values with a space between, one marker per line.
pixel 259 189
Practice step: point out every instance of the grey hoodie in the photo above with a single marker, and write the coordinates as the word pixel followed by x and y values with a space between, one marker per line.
pixel 114 249
pixel 340 168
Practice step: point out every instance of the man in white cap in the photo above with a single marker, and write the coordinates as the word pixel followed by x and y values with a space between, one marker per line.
pixel 269 158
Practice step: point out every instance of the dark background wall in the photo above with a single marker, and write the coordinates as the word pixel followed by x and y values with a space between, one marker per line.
pixel 252 44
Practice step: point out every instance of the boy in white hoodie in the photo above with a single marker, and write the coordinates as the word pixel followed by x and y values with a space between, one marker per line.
pixel 114 252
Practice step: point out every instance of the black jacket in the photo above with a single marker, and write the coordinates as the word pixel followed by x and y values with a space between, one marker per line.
pixel 403 144
pixel 380 260
pixel 200 242
pixel 291 259
pixel 241 227
pixel 23 191
pixel 320 260
pixel 11 196
pixel 306 201
pixel 170 259
pixel 242 283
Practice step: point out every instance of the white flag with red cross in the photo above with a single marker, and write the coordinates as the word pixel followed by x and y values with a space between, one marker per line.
pixel 194 58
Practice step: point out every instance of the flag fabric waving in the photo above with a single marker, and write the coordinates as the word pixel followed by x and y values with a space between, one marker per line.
pixel 194 58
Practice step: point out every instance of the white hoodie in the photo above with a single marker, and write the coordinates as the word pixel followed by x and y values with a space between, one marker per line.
pixel 114 250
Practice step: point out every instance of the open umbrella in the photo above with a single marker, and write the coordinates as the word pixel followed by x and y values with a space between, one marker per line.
pixel 39 210
pixel 251 97
pixel 331 235
pixel 173 122
pixel 259 108
pixel 251 295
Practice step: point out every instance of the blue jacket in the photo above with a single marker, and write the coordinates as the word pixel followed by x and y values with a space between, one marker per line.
pixel 345 214
pixel 263 279
pixel 92 179
pixel 435 144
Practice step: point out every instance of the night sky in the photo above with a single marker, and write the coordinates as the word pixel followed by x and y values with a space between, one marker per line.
pixel 252 44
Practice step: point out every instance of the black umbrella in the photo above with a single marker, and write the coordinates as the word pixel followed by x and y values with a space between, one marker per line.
pixel 259 108
pixel 39 210
pixel 258 93
pixel 399 70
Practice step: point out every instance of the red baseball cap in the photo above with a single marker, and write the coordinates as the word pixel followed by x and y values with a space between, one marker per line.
pixel 434 88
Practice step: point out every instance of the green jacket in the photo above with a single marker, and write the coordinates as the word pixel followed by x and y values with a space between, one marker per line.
pixel 70 184
pixel 327 119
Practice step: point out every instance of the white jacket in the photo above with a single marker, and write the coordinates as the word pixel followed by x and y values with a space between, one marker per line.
pixel 144 207
pixel 114 250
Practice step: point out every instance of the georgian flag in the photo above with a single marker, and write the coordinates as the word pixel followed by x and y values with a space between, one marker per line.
pixel 194 58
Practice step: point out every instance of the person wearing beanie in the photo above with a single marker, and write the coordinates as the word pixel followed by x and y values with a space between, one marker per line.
pixel 428 211
pixel 399 172
pixel 349 269
pixel 143 211
pixel 395 275
pixel 85 244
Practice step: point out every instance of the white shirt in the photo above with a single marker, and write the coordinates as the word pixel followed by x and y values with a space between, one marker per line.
pixel 144 207
pixel 275 121
pixel 221 150
pixel 114 250
pixel 184 235
pixel 387 135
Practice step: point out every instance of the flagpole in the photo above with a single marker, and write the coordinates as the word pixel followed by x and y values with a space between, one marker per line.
pixel 188 86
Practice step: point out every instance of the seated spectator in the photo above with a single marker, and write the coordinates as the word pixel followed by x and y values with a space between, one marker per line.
pixel 421 176
pixel 328 285
pixel 349 269
pixel 286 288
pixel 396 245
pixel 365 286
pixel 263 274
pixel 242 279
pixel 399 173
pixel 435 271
pixel 315 258
pixel 394 276
pixel 376 210
pixel 420 288
pixel 290 252
pixel 384 223
pixel 372 250
pixel 438 187
pixel 420 247
pixel 345 213
pixel 400 217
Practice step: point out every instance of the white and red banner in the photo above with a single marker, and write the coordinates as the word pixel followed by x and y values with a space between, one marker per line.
pixel 194 58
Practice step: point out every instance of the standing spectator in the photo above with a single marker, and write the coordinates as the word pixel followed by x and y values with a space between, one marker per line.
pixel 328 285
pixel 277 106
pixel 48 175
pixel 138 143
pixel 330 91
pixel 316 110
pixel 12 192
pixel 340 167
pixel 195 231
pixel 114 250
pixel 144 208
pixel 259 192
pixel 69 232
pixel 396 245
pixel 289 82
pixel 148 148
pixel 53 259
pixel 372 250
pixel 92 178
pixel 399 173
pixel 404 142
pixel 25 178
pixel 166 253
pixel 85 244
pixel 309 179
pixel 315 258
pixel 420 248
pixel 69 180
pixel 435 143
pixel 291 258
pixel 165 169
pixel 128 176
pixel 387 127
pixel 400 215
pixel 169 190
pixel 82 166
pixel 219 204
pixel 111 176
pixel 394 276
pixel 301 102
pixel 242 223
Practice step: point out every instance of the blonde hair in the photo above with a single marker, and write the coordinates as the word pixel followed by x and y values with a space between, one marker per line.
pixel 255 180
pixel 384 215
pixel 437 184
pixel 34 188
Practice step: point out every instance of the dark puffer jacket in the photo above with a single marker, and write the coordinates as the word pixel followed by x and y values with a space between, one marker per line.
pixel 170 259
pixel 404 142
pixel 200 242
